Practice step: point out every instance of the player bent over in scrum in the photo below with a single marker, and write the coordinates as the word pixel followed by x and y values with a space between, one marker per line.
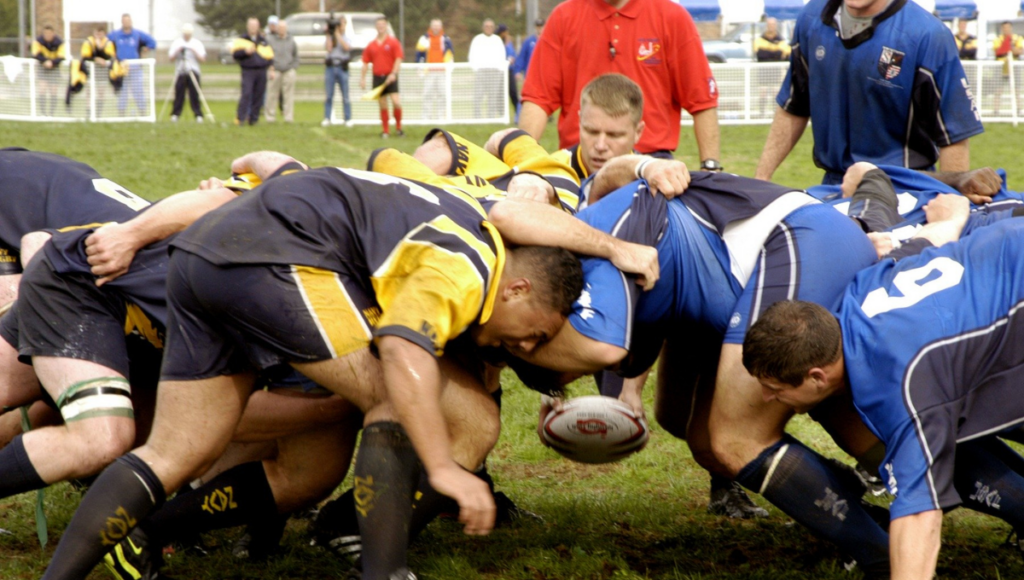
pixel 426 274
pixel 935 397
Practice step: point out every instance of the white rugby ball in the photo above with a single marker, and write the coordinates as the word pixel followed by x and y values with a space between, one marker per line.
pixel 595 429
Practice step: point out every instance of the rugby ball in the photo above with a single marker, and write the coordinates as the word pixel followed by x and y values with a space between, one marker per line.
pixel 595 429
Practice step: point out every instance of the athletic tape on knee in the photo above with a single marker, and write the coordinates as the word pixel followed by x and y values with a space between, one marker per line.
pixel 103 397
pixel 757 474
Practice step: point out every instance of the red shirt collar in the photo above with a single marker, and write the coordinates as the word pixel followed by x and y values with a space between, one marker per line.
pixel 605 10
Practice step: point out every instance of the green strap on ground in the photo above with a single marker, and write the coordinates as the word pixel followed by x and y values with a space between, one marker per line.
pixel 44 537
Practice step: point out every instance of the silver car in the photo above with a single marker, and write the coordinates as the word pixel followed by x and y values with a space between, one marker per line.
pixel 310 29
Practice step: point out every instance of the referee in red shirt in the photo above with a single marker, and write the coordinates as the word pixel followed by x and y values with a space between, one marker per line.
pixel 653 42
pixel 385 55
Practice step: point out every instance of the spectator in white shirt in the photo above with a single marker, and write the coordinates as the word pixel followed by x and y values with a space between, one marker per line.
pixel 488 60
pixel 186 53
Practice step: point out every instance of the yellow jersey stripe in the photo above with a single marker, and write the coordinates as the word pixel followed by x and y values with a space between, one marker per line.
pixel 335 314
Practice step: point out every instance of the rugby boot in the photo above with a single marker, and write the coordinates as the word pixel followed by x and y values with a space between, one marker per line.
pixel 134 559
pixel 729 499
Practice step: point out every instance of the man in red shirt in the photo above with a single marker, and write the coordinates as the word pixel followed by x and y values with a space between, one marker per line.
pixel 385 55
pixel 653 42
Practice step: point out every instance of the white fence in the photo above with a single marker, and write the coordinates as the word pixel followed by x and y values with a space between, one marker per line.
pixel 29 92
pixel 746 91
pixel 435 94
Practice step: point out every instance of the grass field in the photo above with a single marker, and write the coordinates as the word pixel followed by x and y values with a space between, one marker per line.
pixel 642 518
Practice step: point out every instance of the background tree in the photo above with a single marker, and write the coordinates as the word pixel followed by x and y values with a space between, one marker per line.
pixel 228 17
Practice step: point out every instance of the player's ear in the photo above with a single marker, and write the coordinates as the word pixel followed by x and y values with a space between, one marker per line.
pixel 517 289
pixel 819 380
pixel 640 129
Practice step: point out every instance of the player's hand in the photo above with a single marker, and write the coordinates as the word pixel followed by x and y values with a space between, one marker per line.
pixel 532 187
pixel 637 259
pixel 476 503
pixel 667 177
pixel 883 243
pixel 632 398
pixel 211 183
pixel 390 78
pixel 362 84
pixel 101 61
pixel 491 146
pixel 250 49
pixel 980 185
pixel 48 64
pixel 110 250
pixel 947 207
pixel 547 404
pixel 272 74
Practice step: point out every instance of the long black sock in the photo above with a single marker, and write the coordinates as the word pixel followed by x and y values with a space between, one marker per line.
pixel 125 493
pixel 386 473
pixel 800 483
pixel 238 496
pixel 17 475
pixel 986 482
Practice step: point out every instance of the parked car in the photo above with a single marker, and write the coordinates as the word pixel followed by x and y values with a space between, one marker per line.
pixel 310 30
pixel 738 44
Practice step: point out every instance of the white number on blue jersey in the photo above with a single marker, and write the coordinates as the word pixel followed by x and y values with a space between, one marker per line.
pixel 912 292
pixel 119 194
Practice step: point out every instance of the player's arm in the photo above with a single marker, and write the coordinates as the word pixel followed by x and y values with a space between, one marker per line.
pixel 784 134
pixel 665 176
pixel 914 545
pixel 31 243
pixel 263 163
pixel 947 215
pixel 393 76
pixel 978 185
pixel 955 157
pixel 705 129
pixel 528 223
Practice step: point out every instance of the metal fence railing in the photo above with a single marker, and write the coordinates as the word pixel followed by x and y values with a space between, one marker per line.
pixel 746 91
pixel 436 94
pixel 29 92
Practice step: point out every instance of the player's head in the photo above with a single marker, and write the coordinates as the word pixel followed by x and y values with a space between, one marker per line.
pixel 1006 28
pixel 436 26
pixel 771 27
pixel 795 349
pixel 48 33
pixel 488 27
pixel 186 31
pixel 382 26
pixel 961 26
pixel 100 32
pixel 252 26
pixel 611 119
pixel 126 21
pixel 534 296
pixel 538 25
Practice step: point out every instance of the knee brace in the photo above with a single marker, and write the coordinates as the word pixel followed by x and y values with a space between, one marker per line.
pixel 102 397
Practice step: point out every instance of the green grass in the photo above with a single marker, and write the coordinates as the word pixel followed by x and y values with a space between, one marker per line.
pixel 642 518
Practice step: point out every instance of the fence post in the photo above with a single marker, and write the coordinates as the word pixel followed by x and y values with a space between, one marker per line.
pixel 152 90
pixel 448 94
pixel 31 85
pixel 746 90
pixel 1013 86
pixel 92 91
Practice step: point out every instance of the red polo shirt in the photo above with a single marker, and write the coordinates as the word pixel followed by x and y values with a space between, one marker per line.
pixel 382 55
pixel 655 43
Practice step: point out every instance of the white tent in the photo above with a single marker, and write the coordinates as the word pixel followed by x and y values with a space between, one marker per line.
pixel 164 23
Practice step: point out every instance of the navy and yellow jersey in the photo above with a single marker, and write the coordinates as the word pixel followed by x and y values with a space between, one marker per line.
pixel 263 57
pixel 425 253
pixel 771 49
pixel 43 191
pixel 967 47
pixel 242 182
pixel 398 164
pixel 931 345
pixel 573 157
pixel 53 50
pixel 519 153
pixel 91 49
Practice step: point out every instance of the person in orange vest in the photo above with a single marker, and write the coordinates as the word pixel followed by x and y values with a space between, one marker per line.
pixel 1007 46
pixel 434 47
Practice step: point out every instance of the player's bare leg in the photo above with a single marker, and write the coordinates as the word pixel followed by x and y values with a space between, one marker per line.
pixel 39 415
pixel 435 154
pixel 18 383
pixel 747 437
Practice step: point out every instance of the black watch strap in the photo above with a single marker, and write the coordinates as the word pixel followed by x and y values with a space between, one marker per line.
pixel 711 165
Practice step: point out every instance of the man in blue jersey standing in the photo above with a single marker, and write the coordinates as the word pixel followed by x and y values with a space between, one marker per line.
pixel 937 396
pixel 882 81
pixel 131 44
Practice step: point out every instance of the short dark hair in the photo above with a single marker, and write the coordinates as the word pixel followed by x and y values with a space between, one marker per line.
pixel 789 339
pixel 1005 22
pixel 556 275
pixel 616 95
pixel 379 18
pixel 100 28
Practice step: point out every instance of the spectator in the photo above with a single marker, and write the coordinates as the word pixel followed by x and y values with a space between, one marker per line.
pixel 488 59
pixel 510 54
pixel 653 42
pixel 132 44
pixel 339 54
pixel 186 53
pixel 48 49
pixel 272 21
pixel 255 55
pixel 526 50
pixel 1007 47
pixel 281 75
pixel 102 53
pixel 770 46
pixel 384 54
pixel 880 82
pixel 435 48
pixel 966 43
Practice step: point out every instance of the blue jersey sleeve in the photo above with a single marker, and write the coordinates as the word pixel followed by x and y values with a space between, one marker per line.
pixel 944 103
pixel 908 477
pixel 794 95
pixel 146 40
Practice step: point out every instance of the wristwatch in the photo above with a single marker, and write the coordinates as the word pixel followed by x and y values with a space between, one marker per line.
pixel 711 165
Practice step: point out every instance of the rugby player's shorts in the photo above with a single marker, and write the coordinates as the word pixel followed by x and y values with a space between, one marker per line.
pixel 224 320
pixel 68 316
pixel 378 80
pixel 812 255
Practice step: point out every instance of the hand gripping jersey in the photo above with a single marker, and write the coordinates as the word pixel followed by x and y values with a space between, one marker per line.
pixel 891 95
pixel 933 352
pixel 425 253
pixel 43 191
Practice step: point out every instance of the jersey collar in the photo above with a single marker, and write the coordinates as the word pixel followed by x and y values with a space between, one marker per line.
pixel 828 17
pixel 605 10
pixel 499 266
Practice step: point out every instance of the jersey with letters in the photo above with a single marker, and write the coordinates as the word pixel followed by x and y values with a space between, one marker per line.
pixel 956 375
pixel 701 277
pixel 43 191
pixel 892 94
pixel 424 252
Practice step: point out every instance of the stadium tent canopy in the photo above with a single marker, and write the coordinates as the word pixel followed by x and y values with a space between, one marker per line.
pixel 742 11
pixel 928 5
pixel 950 9
pixel 783 9
pixel 702 10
